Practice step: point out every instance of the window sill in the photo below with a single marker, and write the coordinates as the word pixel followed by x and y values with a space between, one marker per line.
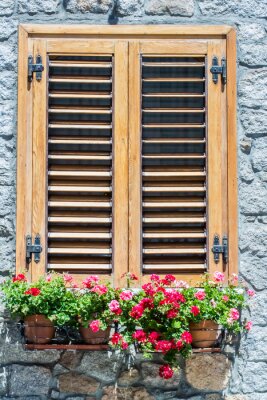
pixel 89 347
pixel 97 347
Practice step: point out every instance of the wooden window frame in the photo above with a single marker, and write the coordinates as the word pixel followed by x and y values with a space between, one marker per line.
pixel 132 34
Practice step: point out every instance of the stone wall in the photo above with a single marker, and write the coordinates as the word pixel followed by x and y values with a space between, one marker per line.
pixel 55 375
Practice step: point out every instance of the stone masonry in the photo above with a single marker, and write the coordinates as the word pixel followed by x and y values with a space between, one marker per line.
pixel 68 375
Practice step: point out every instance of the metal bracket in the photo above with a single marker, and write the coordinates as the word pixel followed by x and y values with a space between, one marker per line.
pixel 218 249
pixel 216 70
pixel 37 68
pixel 35 248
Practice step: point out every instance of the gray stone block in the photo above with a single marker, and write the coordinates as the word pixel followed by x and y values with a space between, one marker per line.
pixel 253 54
pixel 129 7
pixel 15 353
pixel 250 31
pixel 7 7
pixel 92 6
pixel 171 7
pixel 251 119
pixel 250 384
pixel 253 85
pixel 208 372
pixel 244 8
pixel 38 6
pixel 26 380
pixel 99 365
pixel 151 378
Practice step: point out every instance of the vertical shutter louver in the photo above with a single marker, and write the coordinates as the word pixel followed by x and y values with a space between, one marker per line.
pixel 173 163
pixel 80 163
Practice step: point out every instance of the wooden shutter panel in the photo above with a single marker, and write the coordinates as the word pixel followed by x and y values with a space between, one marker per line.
pixel 79 141
pixel 80 163
pixel 182 143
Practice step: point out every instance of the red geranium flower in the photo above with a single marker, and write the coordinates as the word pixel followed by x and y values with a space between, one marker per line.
pixel 147 303
pixel 172 313
pixel 116 338
pixel 186 337
pixel 153 337
pixel 137 312
pixel 33 291
pixel 164 346
pixel 139 335
pixel 19 278
pixel 165 372
pixel 195 310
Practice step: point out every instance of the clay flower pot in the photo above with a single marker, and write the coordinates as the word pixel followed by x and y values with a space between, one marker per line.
pixel 38 329
pixel 204 333
pixel 90 337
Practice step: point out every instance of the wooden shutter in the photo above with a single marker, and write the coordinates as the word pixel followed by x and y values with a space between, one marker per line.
pixel 179 117
pixel 126 150
pixel 79 142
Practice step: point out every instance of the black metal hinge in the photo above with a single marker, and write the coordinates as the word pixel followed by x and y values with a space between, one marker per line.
pixel 216 70
pixel 218 249
pixel 37 68
pixel 34 248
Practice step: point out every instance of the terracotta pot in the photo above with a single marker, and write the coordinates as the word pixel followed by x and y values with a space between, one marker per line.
pixel 204 333
pixel 90 337
pixel 38 329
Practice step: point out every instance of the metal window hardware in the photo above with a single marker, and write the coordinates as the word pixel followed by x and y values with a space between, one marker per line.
pixel 216 69
pixel 34 248
pixel 218 249
pixel 37 68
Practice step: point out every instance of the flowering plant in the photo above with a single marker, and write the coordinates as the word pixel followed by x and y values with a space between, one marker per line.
pixel 213 300
pixel 98 304
pixel 154 318
pixel 49 296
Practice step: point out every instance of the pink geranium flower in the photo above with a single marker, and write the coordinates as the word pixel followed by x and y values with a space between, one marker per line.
pixel 114 305
pixel 218 276
pixel 200 295
pixel 67 278
pixel 250 293
pixel 234 314
pixel 90 281
pixel 225 298
pixel 126 295
pixel 95 325
pixel 248 325
pixel 99 289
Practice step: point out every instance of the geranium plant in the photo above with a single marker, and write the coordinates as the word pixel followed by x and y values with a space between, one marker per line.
pixel 217 301
pixel 98 304
pixel 154 319
pixel 49 296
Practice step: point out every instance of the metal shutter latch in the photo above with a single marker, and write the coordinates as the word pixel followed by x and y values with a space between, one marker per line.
pixel 36 68
pixel 218 249
pixel 34 248
pixel 216 70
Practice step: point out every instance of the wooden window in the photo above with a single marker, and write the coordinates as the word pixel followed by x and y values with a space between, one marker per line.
pixel 126 150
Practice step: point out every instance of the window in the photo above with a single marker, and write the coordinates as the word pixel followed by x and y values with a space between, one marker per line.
pixel 126 150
